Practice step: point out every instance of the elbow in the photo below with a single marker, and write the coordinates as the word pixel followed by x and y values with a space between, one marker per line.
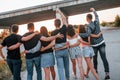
pixel 88 35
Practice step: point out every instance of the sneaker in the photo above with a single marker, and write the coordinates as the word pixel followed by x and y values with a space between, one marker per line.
pixel 76 77
pixel 107 77
pixel 67 78
pixel 86 76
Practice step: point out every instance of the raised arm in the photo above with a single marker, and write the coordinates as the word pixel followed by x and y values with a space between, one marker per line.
pixel 64 20
pixel 1 54
pixel 49 46
pixel 96 15
pixel 96 35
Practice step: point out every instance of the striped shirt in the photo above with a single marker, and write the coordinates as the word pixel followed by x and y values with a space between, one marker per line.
pixel 93 28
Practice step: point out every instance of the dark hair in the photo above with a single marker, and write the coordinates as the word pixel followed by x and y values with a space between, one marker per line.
pixel 81 29
pixel 30 25
pixel 14 28
pixel 89 16
pixel 70 31
pixel 57 22
pixel 44 31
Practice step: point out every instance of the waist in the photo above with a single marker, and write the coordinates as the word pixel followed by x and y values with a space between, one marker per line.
pixel 95 45
pixel 60 45
pixel 84 45
pixel 32 55
pixel 47 51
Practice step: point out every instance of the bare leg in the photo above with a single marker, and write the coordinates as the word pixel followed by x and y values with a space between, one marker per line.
pixel 88 70
pixel 89 64
pixel 80 67
pixel 47 73
pixel 74 66
pixel 53 72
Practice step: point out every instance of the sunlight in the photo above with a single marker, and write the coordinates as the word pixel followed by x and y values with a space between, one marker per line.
pixel 74 20
pixel 49 24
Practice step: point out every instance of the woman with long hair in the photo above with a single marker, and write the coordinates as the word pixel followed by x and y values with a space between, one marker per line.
pixel 88 51
pixel 73 40
pixel 47 57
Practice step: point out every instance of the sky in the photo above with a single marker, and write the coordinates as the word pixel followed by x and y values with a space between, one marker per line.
pixel 8 5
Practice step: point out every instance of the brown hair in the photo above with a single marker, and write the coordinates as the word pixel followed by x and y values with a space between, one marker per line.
pixel 30 25
pixel 57 22
pixel 70 31
pixel 44 31
pixel 89 16
pixel 82 29
pixel 14 28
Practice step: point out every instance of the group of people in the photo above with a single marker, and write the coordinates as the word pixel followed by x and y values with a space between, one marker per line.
pixel 41 49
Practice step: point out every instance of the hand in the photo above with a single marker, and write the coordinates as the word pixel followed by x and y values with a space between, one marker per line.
pixel 4 59
pixel 26 51
pixel 57 10
pixel 67 44
pixel 42 49
pixel 9 48
pixel 59 35
pixel 99 33
pixel 92 9
pixel 79 40
pixel 36 32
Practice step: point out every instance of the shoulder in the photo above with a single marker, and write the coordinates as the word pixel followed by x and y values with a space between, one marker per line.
pixel 8 37
pixel 28 33
pixel 64 27
pixel 18 35
pixel 91 25
pixel 54 32
pixel 77 36
pixel 39 35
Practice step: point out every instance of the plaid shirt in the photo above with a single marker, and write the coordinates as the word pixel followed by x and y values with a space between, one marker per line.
pixel 93 28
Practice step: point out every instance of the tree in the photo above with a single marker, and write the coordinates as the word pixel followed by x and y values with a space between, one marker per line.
pixel 117 21
pixel 104 23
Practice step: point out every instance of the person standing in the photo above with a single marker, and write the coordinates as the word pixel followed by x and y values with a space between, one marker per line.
pixel 75 52
pixel 47 56
pixel 13 56
pixel 61 51
pixel 30 41
pixel 34 58
pixel 98 44
pixel 88 52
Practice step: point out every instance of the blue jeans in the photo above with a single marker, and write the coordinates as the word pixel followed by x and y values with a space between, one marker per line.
pixel 15 68
pixel 62 64
pixel 30 63
pixel 102 52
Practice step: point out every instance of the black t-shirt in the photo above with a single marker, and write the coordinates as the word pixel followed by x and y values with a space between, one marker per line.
pixel 31 44
pixel 63 31
pixel 9 41
pixel 46 43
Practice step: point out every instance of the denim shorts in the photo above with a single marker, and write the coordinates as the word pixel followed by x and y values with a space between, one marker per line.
pixel 75 52
pixel 88 51
pixel 47 60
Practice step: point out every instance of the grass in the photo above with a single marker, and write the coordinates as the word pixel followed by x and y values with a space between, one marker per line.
pixel 5 73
